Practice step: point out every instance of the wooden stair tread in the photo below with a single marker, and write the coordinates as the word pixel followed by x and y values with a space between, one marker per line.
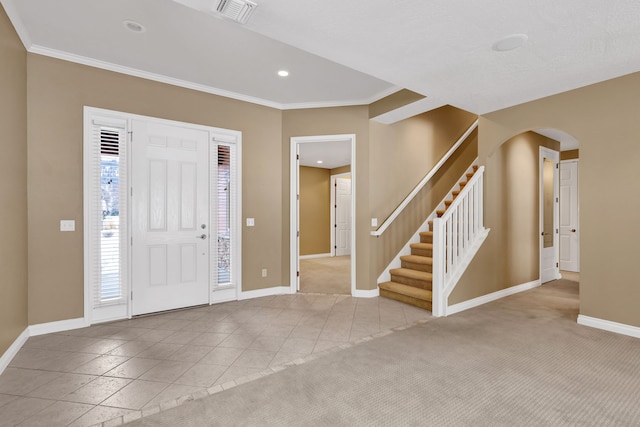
pixel 410 291
pixel 411 274
pixel 417 259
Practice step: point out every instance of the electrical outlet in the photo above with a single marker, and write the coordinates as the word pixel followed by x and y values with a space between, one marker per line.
pixel 264 272
pixel 67 225
pixel 251 222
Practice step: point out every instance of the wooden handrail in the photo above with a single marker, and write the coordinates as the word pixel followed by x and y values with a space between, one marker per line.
pixel 387 222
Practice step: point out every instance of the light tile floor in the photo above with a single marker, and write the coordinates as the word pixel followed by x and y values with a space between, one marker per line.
pixel 91 375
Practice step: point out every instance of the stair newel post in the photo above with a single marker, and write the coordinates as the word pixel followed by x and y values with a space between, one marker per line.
pixel 439 248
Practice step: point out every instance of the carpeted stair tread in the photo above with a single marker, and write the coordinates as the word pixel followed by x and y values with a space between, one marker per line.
pixel 417 262
pixel 414 278
pixel 411 274
pixel 417 297
pixel 422 245
pixel 426 237
pixel 440 212
pixel 421 249
pixel 469 175
pixel 417 259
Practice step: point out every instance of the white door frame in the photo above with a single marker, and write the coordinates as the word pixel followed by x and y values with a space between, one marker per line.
pixel 332 209
pixel 577 162
pixel 294 205
pixel 216 135
pixel 555 155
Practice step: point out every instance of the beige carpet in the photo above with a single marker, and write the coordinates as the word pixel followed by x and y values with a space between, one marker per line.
pixel 520 361
pixel 327 275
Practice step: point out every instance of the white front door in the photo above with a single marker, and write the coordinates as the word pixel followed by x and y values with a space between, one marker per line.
pixel 343 216
pixel 549 242
pixel 569 230
pixel 170 211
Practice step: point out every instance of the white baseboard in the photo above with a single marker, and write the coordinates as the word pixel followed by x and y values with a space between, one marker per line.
pixel 13 349
pixel 59 326
pixel 372 293
pixel 315 256
pixel 475 302
pixel 608 325
pixel 267 292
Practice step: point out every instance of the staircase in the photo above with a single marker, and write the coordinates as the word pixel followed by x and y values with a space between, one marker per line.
pixel 412 283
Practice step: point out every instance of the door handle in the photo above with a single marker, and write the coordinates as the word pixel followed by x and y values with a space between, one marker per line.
pixel 573 230
pixel 202 236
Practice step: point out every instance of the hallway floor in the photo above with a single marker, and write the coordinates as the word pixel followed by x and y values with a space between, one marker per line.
pixel 91 375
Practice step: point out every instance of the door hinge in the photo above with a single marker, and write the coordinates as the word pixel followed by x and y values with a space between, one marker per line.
pixel 556 264
pixel 297 156
pixel 557 200
pixel 335 225
pixel 297 274
pixel 131 295
pixel 557 165
pixel 298 233
pixel 556 231
pixel 335 247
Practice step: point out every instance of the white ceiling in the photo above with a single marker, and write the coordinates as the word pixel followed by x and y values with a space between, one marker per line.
pixel 333 154
pixel 348 52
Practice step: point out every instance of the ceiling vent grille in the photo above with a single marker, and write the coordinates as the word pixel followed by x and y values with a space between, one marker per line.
pixel 237 10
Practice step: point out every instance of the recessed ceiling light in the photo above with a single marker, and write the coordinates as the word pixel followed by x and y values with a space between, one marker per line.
pixel 511 42
pixel 283 73
pixel 319 162
pixel 134 26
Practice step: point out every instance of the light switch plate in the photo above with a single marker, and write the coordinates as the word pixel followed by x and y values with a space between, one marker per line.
pixel 67 225
pixel 374 222
pixel 251 222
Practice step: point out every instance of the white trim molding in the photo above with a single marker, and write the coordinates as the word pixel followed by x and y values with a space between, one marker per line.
pixel 13 349
pixel 608 325
pixel 315 256
pixel 475 302
pixel 59 326
pixel 371 293
pixel 266 292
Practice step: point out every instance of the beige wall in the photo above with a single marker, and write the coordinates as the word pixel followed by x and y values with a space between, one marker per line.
pixel 13 185
pixel 603 117
pixel 341 170
pixel 400 156
pixel 57 93
pixel 395 100
pixel 334 121
pixel 569 154
pixel 315 213
pixel 512 213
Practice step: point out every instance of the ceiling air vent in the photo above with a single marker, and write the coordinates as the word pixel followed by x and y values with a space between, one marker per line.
pixel 238 10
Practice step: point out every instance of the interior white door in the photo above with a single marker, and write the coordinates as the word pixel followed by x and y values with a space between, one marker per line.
pixel 343 216
pixel 569 218
pixel 170 211
pixel 549 242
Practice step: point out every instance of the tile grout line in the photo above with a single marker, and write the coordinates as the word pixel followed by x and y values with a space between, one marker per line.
pixel 243 380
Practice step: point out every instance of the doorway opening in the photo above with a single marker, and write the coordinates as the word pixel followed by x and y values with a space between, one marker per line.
pixel 322 212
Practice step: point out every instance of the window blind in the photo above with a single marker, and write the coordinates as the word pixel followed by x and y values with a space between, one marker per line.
pixel 108 208
pixel 224 187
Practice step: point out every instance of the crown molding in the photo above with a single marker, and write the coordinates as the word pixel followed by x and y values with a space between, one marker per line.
pixel 91 62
